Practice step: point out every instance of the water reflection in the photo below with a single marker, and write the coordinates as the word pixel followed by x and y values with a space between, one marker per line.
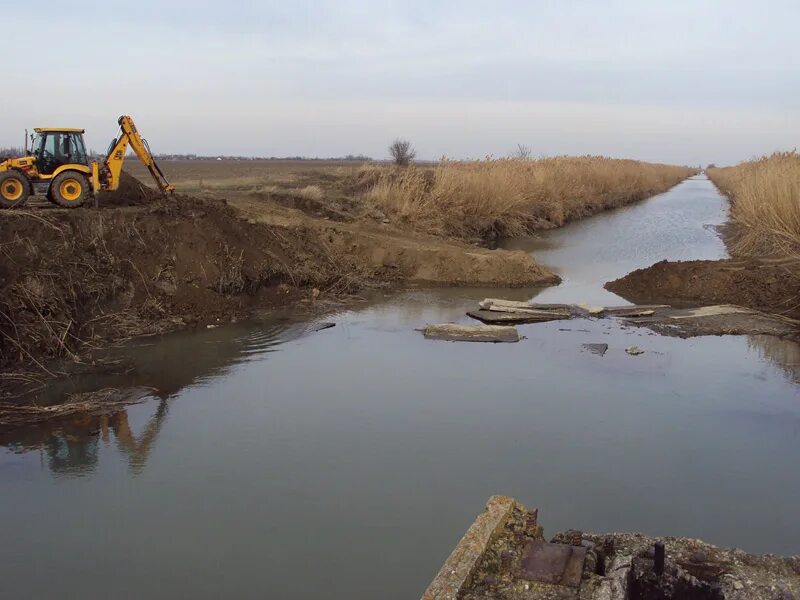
pixel 165 364
pixel 72 446
pixel 172 362
pixel 781 352
pixel 270 451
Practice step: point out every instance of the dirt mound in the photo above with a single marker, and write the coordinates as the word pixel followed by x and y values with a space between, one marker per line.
pixel 769 286
pixel 131 192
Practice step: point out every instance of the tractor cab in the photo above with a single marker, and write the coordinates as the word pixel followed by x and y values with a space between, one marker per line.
pixel 54 148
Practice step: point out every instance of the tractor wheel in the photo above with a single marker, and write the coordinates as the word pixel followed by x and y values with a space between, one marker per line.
pixel 14 189
pixel 69 189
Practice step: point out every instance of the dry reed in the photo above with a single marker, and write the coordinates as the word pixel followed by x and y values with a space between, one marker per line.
pixel 765 203
pixel 511 197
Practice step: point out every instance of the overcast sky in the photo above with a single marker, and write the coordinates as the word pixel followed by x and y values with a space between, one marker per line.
pixel 681 81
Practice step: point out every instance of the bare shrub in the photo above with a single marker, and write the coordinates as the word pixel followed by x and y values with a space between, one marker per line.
pixel 402 152
pixel 310 192
pixel 522 151
pixel 230 280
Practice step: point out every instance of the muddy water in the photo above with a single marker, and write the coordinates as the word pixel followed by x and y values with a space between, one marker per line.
pixel 347 463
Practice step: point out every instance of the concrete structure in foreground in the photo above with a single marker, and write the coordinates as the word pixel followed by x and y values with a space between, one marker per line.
pixel 463 562
pixel 504 556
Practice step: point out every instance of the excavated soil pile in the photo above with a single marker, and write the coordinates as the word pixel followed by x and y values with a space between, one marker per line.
pixel 73 276
pixel 768 286
pixel 131 192
pixel 69 277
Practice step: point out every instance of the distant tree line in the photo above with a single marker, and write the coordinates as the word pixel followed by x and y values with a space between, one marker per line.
pixel 10 152
pixel 349 157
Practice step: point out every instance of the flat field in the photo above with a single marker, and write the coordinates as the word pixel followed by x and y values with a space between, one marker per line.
pixel 192 176
pixel 476 201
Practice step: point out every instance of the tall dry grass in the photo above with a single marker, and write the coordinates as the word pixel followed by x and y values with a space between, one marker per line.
pixel 765 203
pixel 511 197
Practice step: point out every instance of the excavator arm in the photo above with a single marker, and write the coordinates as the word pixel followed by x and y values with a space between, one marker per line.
pixel 107 176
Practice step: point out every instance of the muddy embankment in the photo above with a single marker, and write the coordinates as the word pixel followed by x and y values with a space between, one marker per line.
pixel 142 264
pixel 768 285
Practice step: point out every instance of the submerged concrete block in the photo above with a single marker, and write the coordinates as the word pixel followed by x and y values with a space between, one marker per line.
pixel 490 316
pixel 471 333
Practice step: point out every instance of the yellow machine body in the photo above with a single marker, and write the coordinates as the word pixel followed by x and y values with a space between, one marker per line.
pixel 58 167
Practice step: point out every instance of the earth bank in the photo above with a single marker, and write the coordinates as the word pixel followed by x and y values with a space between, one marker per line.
pixel 144 264
pixel 768 285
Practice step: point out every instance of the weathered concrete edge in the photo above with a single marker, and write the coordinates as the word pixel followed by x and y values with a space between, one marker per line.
pixel 462 562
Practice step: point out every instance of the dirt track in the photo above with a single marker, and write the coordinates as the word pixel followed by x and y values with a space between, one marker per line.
pixel 771 286
pixel 147 265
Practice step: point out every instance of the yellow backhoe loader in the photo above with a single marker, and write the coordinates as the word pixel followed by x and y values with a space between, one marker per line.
pixel 57 166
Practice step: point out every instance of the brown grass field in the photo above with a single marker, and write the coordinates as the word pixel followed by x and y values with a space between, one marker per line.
pixel 765 203
pixel 474 200
pixel 512 197
pixel 247 176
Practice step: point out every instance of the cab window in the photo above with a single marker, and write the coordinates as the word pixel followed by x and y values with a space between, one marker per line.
pixel 48 159
pixel 61 149
pixel 36 146
pixel 78 149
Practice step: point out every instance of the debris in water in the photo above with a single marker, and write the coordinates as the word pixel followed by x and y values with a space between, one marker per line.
pixel 530 311
pixel 599 349
pixel 634 350
pixel 100 402
pixel 513 305
pixel 492 316
pixel 471 333
pixel 487 303
pixel 594 311
pixel 722 319
pixel 633 310
pixel 314 327
pixel 661 318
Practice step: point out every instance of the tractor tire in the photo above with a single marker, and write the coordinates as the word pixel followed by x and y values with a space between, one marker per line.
pixel 14 189
pixel 69 189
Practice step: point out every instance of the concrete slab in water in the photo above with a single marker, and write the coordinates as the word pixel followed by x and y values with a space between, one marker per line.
pixel 490 316
pixel 594 311
pixel 513 305
pixel 487 303
pixel 633 310
pixel 530 311
pixel 599 349
pixel 471 333
pixel 541 306
pixel 724 319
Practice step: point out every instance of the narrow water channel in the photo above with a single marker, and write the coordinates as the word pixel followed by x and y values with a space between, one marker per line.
pixel 347 463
